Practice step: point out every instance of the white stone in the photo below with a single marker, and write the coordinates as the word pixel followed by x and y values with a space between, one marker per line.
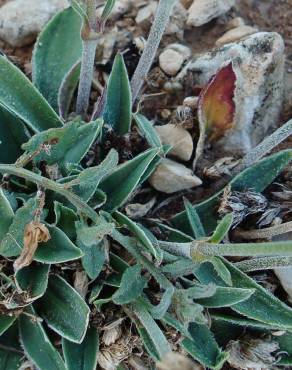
pixel 146 13
pixel 258 63
pixel 170 177
pixel 170 61
pixel 235 22
pixel 179 138
pixel 22 20
pixel 236 34
pixel 203 11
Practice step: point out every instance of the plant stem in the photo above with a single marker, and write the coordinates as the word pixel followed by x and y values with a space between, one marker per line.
pixel 264 263
pixel 160 22
pixel 268 232
pixel 51 185
pixel 89 35
pixel 264 147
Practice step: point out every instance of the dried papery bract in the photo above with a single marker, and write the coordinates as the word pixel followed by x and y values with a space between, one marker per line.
pixel 34 233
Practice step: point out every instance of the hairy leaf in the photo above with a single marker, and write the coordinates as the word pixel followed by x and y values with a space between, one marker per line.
pixel 9 359
pixel 109 5
pixel 20 97
pixel 37 345
pixel 65 219
pixel 147 130
pixel 57 49
pixel 82 356
pixel 6 213
pixel 131 287
pixel 226 297
pixel 5 323
pixel 222 229
pixel 118 109
pixel 128 174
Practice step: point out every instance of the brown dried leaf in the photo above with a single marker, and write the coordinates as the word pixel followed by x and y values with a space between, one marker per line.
pixel 34 233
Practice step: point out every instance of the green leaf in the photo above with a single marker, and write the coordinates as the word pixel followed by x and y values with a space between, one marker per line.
pixel 68 144
pixel 117 112
pixel 10 359
pixel 158 339
pixel 222 229
pixel 21 98
pixel 65 219
pixel 93 247
pixel 89 179
pixel 132 286
pixel 5 323
pixel 6 213
pixel 13 133
pixel 33 279
pixel 37 345
pixel 137 231
pixel 57 49
pixel 64 310
pixel 147 130
pixel 194 220
pixel 261 306
pixel 203 347
pixel 221 270
pixel 226 297
pixel 12 244
pixel 82 356
pixel 109 5
pixel 128 174
pixel 58 249
pixel 257 177
pixel 67 89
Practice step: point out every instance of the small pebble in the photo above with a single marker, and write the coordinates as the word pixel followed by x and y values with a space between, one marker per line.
pixel 170 177
pixel 235 22
pixel 236 34
pixel 171 61
pixel 179 138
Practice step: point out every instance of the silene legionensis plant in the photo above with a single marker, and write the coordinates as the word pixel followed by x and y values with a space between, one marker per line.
pixel 81 282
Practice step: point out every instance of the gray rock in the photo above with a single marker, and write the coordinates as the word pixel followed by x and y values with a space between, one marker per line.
pixel 170 177
pixel 258 63
pixel 22 20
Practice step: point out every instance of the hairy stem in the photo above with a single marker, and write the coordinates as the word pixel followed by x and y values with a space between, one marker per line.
pixel 264 147
pixel 160 22
pixel 89 34
pixel 50 185
pixel 268 232
pixel 264 263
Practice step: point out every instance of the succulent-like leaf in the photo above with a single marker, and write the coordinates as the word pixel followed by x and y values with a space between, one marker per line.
pixel 57 49
pixel 6 213
pixel 128 174
pixel 147 130
pixel 13 133
pixel 9 359
pixel 82 356
pixel 64 310
pixel 33 279
pixel 261 306
pixel 12 244
pixel 132 286
pixel 118 109
pixel 67 145
pixel 37 345
pixel 257 177
pixel 67 89
pixel 5 323
pixel 20 97
pixel 203 346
